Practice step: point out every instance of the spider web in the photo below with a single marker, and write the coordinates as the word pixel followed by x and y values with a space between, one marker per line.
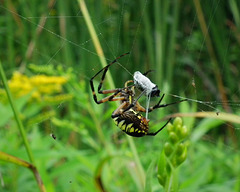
pixel 113 47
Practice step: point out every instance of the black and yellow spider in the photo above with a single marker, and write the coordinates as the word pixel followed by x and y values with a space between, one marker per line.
pixel 127 116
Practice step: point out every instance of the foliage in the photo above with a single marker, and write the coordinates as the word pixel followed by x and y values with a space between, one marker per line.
pixel 174 154
pixel 49 54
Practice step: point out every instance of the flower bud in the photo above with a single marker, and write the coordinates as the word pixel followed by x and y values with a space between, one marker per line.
pixel 170 127
pixel 168 149
pixel 182 158
pixel 177 122
pixel 173 137
pixel 180 149
pixel 184 132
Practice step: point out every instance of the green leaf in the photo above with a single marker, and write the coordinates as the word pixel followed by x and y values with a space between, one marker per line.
pixel 6 112
pixel 161 172
pixel 149 174
pixel 204 127
pixel 198 176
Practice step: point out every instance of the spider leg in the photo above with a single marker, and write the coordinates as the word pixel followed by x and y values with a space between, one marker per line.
pixel 134 102
pixel 111 98
pixel 117 112
pixel 156 106
pixel 139 107
pixel 155 133
pixel 148 72
pixel 164 105
pixel 105 69
pixel 127 82
pixel 111 91
pixel 115 92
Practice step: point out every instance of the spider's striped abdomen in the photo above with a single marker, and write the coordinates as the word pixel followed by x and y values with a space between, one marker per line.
pixel 132 123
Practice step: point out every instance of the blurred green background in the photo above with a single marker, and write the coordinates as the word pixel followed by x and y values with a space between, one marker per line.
pixel 48 56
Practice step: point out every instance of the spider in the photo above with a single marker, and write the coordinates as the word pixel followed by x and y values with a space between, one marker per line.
pixel 127 116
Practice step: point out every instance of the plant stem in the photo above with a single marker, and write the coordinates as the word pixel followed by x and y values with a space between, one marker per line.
pixel 110 80
pixel 170 60
pixel 99 50
pixel 137 161
pixel 16 115
pixel 94 37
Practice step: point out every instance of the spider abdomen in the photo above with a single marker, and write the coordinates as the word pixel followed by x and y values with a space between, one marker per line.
pixel 132 123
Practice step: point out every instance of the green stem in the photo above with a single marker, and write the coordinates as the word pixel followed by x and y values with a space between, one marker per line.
pixel 148 35
pixel 168 186
pixel 16 114
pixel 99 51
pixel 158 44
pixel 215 63
pixel 94 37
pixel 110 80
pixel 98 128
pixel 172 180
pixel 137 161
pixel 171 45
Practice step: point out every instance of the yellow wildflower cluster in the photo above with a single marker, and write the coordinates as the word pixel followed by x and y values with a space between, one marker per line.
pixel 38 86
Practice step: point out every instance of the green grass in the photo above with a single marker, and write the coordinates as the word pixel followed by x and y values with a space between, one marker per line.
pixel 193 48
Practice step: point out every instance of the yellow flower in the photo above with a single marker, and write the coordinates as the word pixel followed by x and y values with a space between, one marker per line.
pixel 38 86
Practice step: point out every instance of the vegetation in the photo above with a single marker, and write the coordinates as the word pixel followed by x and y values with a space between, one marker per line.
pixel 51 126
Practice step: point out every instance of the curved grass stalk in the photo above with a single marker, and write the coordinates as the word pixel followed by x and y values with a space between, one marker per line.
pixel 16 115
pixel 229 117
pixel 20 162
pixel 10 158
